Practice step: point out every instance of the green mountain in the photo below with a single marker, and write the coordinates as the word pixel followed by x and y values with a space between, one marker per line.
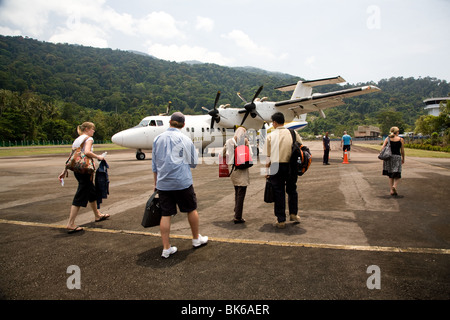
pixel 47 89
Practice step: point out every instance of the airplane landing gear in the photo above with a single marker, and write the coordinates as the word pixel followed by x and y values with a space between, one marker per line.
pixel 140 155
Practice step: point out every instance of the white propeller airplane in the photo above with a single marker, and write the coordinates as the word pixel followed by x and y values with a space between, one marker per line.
pixel 210 130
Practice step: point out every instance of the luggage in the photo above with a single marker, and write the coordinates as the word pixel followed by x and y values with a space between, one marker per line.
pixel 300 158
pixel 242 157
pixel 79 162
pixel 223 167
pixel 152 212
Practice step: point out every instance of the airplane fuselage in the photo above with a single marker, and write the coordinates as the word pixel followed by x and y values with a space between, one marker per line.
pixel 212 130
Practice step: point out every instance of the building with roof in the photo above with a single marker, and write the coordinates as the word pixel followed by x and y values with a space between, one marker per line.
pixel 432 105
pixel 367 132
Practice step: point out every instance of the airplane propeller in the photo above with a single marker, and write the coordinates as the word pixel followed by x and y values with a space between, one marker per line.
pixel 250 107
pixel 214 113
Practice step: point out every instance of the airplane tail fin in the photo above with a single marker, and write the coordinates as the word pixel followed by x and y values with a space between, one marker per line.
pixel 304 88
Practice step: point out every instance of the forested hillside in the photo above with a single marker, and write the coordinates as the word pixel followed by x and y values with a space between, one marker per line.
pixel 47 89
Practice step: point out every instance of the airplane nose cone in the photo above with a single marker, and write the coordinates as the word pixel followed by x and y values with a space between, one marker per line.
pixel 117 138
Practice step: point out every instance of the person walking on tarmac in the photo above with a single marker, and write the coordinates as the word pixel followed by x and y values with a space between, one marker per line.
pixel 347 141
pixel 278 150
pixel 173 156
pixel 86 192
pixel 240 178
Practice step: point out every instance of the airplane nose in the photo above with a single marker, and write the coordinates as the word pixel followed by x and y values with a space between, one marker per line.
pixel 117 138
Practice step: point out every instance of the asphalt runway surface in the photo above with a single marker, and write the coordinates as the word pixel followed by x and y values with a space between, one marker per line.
pixel 354 242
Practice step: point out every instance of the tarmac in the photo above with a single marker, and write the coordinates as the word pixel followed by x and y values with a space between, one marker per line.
pixel 355 241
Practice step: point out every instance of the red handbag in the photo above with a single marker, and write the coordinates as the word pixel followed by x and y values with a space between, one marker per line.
pixel 223 167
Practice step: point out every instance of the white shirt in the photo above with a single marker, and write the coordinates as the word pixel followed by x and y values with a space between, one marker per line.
pixel 78 141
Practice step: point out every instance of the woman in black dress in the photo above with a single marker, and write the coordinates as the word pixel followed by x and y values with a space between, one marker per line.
pixel 393 166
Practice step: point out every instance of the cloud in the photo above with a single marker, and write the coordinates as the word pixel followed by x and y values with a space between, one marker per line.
pixel 310 62
pixel 205 24
pixel 242 40
pixel 160 25
pixel 9 32
pixel 31 19
pixel 184 53
pixel 80 33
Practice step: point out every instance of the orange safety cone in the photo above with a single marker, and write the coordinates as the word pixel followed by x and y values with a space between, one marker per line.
pixel 345 158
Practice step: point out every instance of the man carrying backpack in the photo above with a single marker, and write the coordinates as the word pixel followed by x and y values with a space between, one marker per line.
pixel 278 150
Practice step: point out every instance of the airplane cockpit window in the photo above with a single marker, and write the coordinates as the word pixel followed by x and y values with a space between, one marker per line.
pixel 159 123
pixel 143 123
pixel 153 123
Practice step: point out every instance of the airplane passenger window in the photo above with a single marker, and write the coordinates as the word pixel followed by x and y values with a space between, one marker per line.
pixel 153 123
pixel 192 129
pixel 159 123
pixel 187 129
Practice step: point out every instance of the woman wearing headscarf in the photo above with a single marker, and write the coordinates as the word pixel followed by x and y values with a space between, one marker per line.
pixel 240 178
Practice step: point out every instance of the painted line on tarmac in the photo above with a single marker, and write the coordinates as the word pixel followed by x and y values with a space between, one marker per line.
pixel 246 241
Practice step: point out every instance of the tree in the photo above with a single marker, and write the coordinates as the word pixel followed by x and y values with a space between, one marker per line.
pixel 388 119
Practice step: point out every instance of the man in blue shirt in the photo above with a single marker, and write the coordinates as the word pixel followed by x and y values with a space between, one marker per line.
pixel 347 141
pixel 173 156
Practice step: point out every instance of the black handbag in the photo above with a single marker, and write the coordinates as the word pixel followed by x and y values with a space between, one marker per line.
pixel 268 192
pixel 152 212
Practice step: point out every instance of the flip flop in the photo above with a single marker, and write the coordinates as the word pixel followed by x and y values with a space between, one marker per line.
pixel 103 217
pixel 76 229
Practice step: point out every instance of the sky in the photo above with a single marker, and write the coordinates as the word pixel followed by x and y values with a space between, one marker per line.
pixel 360 40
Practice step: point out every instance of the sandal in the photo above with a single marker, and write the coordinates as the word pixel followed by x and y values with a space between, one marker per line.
pixel 76 229
pixel 103 217
pixel 394 191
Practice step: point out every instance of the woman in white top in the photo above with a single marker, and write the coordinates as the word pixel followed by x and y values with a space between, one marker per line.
pixel 86 190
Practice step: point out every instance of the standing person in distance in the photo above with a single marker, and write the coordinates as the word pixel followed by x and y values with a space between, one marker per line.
pixel 173 156
pixel 240 178
pixel 278 150
pixel 86 191
pixel 347 142
pixel 393 166
pixel 326 148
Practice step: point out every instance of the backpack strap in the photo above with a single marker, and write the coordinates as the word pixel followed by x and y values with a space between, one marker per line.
pixel 294 138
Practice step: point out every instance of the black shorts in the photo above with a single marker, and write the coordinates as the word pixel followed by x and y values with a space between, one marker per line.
pixel 185 199
pixel 346 147
pixel 86 190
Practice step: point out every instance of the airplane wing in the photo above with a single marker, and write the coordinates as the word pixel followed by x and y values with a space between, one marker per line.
pixel 321 101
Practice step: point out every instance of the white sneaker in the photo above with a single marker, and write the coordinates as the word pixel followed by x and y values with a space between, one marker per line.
pixel 200 241
pixel 167 252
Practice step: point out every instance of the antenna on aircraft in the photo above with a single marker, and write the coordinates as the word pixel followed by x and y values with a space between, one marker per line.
pixel 250 107
pixel 167 110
